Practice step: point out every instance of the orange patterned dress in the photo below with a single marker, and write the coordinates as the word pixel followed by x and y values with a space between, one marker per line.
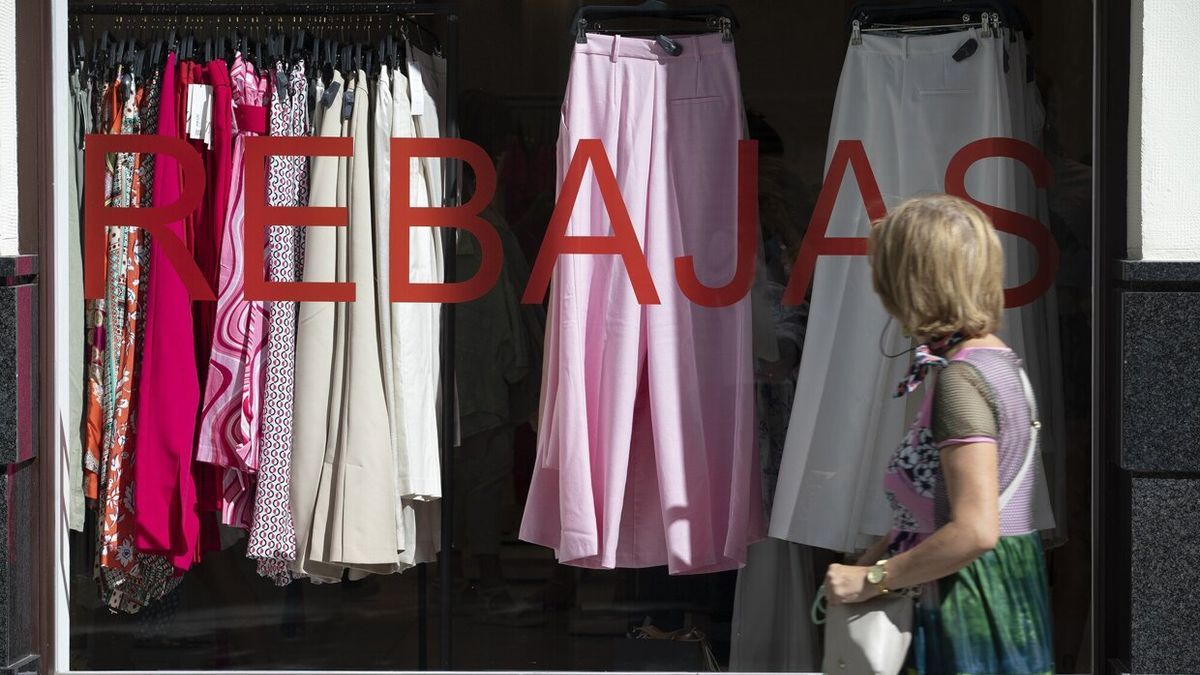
pixel 128 580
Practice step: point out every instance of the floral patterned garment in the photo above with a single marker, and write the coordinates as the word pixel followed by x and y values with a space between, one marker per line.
pixel 127 579
pixel 911 479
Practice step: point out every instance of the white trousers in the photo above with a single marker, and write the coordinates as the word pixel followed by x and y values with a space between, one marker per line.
pixel 913 106
pixel 408 335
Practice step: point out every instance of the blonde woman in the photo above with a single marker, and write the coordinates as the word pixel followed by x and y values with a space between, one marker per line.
pixel 961 482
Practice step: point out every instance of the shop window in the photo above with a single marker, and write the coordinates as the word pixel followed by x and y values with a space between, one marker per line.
pixel 573 468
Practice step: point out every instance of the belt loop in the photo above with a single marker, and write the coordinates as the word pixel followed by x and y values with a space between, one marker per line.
pixel 612 71
pixel 696 47
pixel 905 43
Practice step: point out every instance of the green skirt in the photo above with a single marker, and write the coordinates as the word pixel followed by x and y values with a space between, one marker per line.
pixel 991 617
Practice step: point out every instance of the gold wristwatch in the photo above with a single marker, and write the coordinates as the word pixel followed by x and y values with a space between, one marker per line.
pixel 877 575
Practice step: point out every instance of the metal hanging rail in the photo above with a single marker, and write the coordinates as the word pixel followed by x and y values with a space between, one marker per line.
pixel 452 170
pixel 265 8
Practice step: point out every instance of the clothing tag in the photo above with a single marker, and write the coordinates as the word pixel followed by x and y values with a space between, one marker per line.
pixel 416 87
pixel 966 50
pixel 199 112
pixel 188 107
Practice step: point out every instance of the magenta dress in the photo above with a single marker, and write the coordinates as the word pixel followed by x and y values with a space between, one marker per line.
pixel 168 522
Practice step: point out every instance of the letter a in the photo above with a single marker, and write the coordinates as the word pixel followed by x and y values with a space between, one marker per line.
pixel 850 154
pixel 623 242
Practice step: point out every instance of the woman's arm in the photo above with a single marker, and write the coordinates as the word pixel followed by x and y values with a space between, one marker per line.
pixel 970 473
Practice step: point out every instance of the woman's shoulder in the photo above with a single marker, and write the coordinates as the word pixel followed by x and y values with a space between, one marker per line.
pixel 994 371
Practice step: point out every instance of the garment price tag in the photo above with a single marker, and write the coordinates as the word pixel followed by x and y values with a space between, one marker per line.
pixel 199 112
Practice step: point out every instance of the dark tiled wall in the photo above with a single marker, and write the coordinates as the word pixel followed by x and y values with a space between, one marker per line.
pixel 1160 455
pixel 1160 373
pixel 1165 621
pixel 19 392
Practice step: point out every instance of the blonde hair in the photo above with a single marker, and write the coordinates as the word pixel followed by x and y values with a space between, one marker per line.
pixel 937 265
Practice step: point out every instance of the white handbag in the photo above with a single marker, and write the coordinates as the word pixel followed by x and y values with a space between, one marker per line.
pixel 868 637
pixel 874 636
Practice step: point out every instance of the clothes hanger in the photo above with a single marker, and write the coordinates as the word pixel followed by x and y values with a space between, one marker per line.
pixel 74 52
pixel 881 16
pixel 717 16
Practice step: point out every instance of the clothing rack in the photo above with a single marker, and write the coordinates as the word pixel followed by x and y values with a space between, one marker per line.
pixel 451 171
pixel 219 8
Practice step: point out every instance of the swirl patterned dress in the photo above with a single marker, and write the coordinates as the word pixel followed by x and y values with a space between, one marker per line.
pixel 230 434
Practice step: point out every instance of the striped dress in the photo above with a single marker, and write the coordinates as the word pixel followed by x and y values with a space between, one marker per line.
pixel 992 616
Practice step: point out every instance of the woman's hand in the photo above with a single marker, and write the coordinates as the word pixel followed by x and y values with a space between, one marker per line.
pixel 846 584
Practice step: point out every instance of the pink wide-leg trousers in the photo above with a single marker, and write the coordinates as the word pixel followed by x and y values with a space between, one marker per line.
pixel 646 448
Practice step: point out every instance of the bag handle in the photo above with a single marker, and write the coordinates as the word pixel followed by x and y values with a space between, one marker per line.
pixel 817 611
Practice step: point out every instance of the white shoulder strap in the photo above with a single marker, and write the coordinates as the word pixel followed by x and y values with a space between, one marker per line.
pixel 1031 451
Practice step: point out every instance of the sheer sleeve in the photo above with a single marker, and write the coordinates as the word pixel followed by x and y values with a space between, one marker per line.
pixel 962 412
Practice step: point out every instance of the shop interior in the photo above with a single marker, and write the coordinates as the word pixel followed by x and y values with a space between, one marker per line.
pixel 511 606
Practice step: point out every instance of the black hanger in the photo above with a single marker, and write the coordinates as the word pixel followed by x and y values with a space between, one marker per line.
pixel 114 56
pixel 139 62
pixel 869 14
pixel 434 44
pixel 156 51
pixel 99 50
pixel 327 60
pixel 655 9
pixel 297 45
pixel 74 52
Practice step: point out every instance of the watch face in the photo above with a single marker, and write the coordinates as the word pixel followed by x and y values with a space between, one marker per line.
pixel 875 574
